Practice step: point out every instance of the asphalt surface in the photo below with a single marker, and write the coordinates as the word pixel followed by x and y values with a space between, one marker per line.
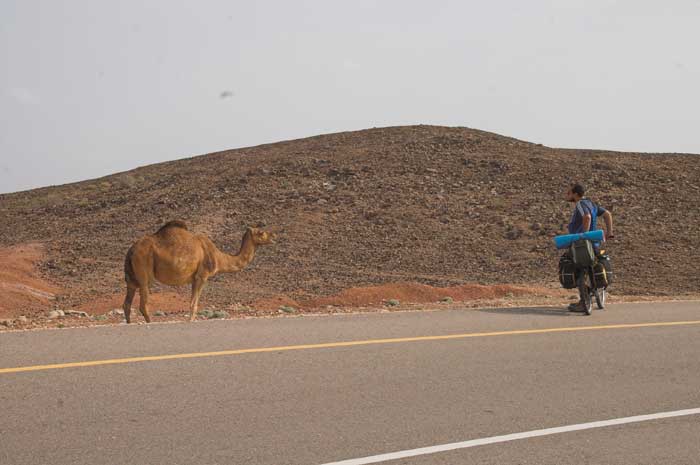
pixel 320 405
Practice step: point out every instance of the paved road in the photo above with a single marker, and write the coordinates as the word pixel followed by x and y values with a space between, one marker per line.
pixel 317 405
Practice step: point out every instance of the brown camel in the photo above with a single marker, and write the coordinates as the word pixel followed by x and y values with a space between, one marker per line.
pixel 175 256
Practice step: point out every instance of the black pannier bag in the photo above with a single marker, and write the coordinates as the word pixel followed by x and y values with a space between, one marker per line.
pixel 582 253
pixel 567 272
pixel 602 272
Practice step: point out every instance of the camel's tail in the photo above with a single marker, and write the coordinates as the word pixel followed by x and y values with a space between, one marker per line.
pixel 129 275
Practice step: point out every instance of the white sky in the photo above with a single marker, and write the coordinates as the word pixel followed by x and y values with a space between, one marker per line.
pixel 91 87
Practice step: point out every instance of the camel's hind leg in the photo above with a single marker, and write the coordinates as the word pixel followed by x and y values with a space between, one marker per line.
pixel 143 302
pixel 139 275
pixel 197 286
pixel 130 292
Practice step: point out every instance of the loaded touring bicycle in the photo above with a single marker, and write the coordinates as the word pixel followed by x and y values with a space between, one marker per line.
pixel 581 267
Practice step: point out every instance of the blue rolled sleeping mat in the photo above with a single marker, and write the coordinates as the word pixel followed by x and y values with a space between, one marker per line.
pixel 565 240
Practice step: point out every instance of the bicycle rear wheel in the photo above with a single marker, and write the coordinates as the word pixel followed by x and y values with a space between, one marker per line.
pixel 585 293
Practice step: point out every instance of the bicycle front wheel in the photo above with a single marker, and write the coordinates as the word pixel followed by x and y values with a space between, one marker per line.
pixel 585 293
pixel 600 298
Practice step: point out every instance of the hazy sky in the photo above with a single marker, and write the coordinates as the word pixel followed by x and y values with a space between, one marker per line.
pixel 91 87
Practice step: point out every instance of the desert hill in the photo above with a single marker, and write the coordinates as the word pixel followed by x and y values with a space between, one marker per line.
pixel 432 205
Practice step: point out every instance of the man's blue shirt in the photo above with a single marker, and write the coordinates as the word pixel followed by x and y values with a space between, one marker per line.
pixel 584 206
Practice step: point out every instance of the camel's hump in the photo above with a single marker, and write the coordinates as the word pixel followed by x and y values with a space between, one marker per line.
pixel 173 224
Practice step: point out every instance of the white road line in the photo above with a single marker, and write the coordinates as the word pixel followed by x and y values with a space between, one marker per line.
pixel 513 437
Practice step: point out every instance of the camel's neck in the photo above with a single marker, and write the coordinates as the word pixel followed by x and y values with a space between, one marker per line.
pixel 231 263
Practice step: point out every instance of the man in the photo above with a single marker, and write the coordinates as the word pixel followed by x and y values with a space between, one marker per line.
pixel 584 219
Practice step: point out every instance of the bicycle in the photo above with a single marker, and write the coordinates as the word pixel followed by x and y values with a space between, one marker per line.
pixel 588 292
pixel 586 283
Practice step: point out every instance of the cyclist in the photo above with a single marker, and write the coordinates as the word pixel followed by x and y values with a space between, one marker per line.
pixel 584 218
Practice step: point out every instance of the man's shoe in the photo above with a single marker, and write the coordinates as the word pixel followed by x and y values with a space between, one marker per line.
pixel 577 307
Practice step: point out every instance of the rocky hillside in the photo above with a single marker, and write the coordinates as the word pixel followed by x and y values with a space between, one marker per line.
pixel 433 205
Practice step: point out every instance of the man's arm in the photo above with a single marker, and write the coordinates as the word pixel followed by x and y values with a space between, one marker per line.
pixel 587 222
pixel 607 217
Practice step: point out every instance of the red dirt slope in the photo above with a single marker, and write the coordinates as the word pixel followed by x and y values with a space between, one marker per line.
pixel 23 289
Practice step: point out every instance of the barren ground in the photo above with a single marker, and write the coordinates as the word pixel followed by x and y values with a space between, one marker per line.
pixel 414 214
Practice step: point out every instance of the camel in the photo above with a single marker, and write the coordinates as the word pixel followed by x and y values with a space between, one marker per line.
pixel 175 256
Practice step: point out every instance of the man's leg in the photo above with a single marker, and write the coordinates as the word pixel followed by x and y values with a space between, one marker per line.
pixel 578 306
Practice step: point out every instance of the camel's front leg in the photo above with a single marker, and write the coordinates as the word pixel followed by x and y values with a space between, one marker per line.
pixel 197 286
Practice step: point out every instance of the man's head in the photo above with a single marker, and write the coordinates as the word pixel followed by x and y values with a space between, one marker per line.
pixel 575 192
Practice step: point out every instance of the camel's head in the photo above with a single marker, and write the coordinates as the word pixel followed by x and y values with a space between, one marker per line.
pixel 261 237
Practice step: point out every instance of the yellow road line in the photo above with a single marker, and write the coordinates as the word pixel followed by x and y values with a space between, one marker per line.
pixel 116 361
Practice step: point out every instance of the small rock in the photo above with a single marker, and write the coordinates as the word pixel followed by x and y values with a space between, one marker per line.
pixel 514 234
pixel 206 313
pixel 220 314
pixel 447 300
pixel 287 309
pixel 116 311
pixel 159 313
pixel 23 319
pixel 6 323
pixel 53 314
pixel 210 314
pixel 76 313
